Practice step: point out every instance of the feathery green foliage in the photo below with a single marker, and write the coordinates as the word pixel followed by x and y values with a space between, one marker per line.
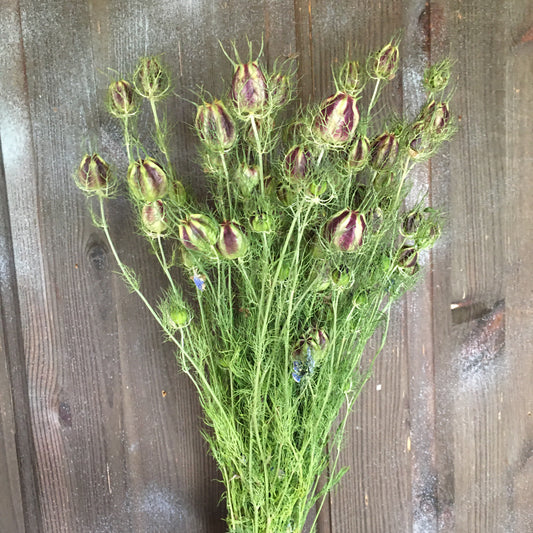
pixel 294 262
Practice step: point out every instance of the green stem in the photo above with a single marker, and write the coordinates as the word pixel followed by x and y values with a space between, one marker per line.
pixel 127 138
pixel 160 137
pixel 259 153
pixel 228 188
pixel 373 99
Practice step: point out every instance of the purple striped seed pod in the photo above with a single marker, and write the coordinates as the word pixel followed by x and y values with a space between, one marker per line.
pixel 249 88
pixel 121 99
pixel 280 89
pixel 384 151
pixel 358 156
pixel 198 233
pixel 147 180
pixel 151 79
pixel 215 127
pixel 418 146
pixel 297 162
pixel 345 230
pixel 386 62
pixel 436 117
pixel 232 242
pixel 153 218
pixel 337 119
pixel 408 260
pixel 93 174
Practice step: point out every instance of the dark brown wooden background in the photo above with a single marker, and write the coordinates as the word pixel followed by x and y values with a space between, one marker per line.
pixel 441 439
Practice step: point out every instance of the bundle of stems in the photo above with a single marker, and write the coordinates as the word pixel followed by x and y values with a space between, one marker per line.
pixel 294 260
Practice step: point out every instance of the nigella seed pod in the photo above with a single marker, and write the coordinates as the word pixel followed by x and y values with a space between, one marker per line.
pixel 147 180
pixel 153 218
pixel 358 156
pixel 297 162
pixel 179 317
pixel 341 277
pixel 384 151
pixel 345 230
pixel 337 119
pixel 215 126
pixel 418 146
pixel 247 178
pixel 386 62
pixel 177 193
pixel 437 117
pixel 315 190
pixel 410 224
pixel 279 89
pixel 437 76
pixel 121 99
pixel 261 223
pixel 350 77
pixel 232 242
pixel 93 174
pixel 151 79
pixel 408 260
pixel 249 88
pixel 311 348
pixel 198 233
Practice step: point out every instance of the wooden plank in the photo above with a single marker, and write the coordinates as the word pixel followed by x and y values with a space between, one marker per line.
pixel 481 380
pixel 11 518
pixel 112 454
pixel 441 437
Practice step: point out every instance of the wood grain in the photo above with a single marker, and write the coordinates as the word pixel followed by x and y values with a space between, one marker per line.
pixel 442 437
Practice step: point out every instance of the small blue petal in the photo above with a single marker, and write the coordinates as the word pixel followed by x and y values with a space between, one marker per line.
pixel 199 282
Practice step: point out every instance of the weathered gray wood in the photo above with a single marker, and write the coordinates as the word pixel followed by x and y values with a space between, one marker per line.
pixel 11 377
pixel 441 438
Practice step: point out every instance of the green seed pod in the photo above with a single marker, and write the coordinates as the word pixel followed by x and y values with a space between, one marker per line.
pixel 249 88
pixel 247 178
pixel 180 317
pixel 177 192
pixel 147 180
pixel 151 79
pixel 311 348
pixel 198 233
pixel 315 190
pixel 93 175
pixel 232 242
pixel 337 119
pixel 341 278
pixel 384 151
pixel 358 156
pixel 121 101
pixel 215 126
pixel 261 223
pixel 437 77
pixel 153 218
pixel 386 63
pixel 350 77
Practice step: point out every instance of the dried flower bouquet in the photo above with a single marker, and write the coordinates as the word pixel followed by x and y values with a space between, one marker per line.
pixel 294 260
